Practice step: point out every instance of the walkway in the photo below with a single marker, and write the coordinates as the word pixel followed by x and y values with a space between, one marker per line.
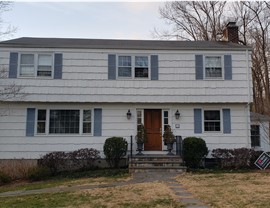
pixel 183 195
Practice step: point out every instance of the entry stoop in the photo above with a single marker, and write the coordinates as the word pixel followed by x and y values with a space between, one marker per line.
pixel 156 163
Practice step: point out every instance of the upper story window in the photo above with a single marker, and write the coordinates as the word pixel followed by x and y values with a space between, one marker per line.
pixel 133 67
pixel 212 120
pixel 39 65
pixel 213 67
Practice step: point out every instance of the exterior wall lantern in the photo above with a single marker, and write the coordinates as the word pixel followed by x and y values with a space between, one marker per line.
pixel 128 114
pixel 177 115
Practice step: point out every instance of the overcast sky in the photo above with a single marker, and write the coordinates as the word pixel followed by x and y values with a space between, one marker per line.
pixel 111 20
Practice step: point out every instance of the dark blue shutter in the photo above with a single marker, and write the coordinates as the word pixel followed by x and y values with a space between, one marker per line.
pixel 58 65
pixel 197 121
pixel 227 67
pixel 199 66
pixel 154 67
pixel 97 122
pixel 13 65
pixel 226 121
pixel 112 66
pixel 30 122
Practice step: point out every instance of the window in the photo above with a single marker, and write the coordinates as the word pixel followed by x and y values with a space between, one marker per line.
pixel 165 120
pixel 141 66
pixel 87 121
pixel 255 136
pixel 41 122
pixel 212 120
pixel 133 67
pixel 213 67
pixel 27 65
pixel 36 65
pixel 124 66
pixel 44 65
pixel 64 121
pixel 139 118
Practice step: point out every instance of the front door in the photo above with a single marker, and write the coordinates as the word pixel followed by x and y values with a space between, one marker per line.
pixel 152 123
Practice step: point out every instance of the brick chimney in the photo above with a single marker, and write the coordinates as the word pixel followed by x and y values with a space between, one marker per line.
pixel 230 33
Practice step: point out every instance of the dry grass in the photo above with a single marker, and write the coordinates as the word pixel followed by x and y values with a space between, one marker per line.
pixel 230 189
pixel 135 195
pixel 17 169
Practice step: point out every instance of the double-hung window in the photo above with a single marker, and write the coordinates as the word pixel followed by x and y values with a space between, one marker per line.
pixel 212 120
pixel 255 136
pixel 133 67
pixel 141 66
pixel 213 67
pixel 32 65
pixel 124 66
pixel 68 121
pixel 27 65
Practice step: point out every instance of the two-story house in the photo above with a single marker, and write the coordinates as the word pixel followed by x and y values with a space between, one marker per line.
pixel 79 92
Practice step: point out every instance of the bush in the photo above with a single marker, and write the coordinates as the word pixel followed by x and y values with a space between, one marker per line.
pixel 114 149
pixel 38 173
pixel 86 157
pixel 194 149
pixel 236 158
pixel 53 161
pixel 4 178
pixel 62 161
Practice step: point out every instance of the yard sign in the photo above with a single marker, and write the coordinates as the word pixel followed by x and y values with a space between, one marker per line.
pixel 263 161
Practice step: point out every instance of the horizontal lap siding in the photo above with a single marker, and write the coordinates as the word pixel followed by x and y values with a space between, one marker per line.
pixel 14 143
pixel 85 78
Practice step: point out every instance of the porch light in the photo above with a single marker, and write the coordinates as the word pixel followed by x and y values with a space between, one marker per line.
pixel 128 114
pixel 177 115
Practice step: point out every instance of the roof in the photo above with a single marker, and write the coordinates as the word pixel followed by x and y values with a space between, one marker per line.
pixel 29 42
pixel 259 117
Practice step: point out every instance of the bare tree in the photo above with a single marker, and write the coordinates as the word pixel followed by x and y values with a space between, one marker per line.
pixel 193 20
pixel 10 91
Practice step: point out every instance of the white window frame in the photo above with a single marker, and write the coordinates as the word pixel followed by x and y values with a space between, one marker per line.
pixel 163 118
pixel 221 120
pixel 36 55
pixel 80 122
pixel 133 67
pixel 222 67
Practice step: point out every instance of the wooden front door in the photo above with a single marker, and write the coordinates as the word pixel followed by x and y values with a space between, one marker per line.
pixel 152 123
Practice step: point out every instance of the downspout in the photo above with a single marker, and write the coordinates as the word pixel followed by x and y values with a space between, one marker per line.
pixel 249 99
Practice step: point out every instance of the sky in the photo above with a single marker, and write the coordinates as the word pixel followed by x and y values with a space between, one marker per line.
pixel 105 20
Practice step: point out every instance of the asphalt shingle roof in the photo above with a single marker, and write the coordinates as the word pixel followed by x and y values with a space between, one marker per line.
pixel 28 42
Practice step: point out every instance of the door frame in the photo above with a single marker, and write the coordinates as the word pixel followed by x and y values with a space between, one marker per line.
pixel 162 120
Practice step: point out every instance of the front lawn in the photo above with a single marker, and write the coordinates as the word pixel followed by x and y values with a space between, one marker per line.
pixel 144 195
pixel 250 189
pixel 93 177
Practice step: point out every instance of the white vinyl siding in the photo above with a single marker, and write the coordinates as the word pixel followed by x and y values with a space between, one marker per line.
pixel 14 143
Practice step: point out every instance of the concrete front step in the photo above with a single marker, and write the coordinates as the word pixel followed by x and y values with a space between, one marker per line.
pixel 154 163
pixel 176 169
pixel 158 163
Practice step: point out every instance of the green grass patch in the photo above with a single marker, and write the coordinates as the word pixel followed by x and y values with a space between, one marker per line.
pixel 69 179
pixel 79 199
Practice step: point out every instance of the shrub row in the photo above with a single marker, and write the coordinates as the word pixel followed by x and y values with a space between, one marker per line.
pixel 236 158
pixel 67 161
